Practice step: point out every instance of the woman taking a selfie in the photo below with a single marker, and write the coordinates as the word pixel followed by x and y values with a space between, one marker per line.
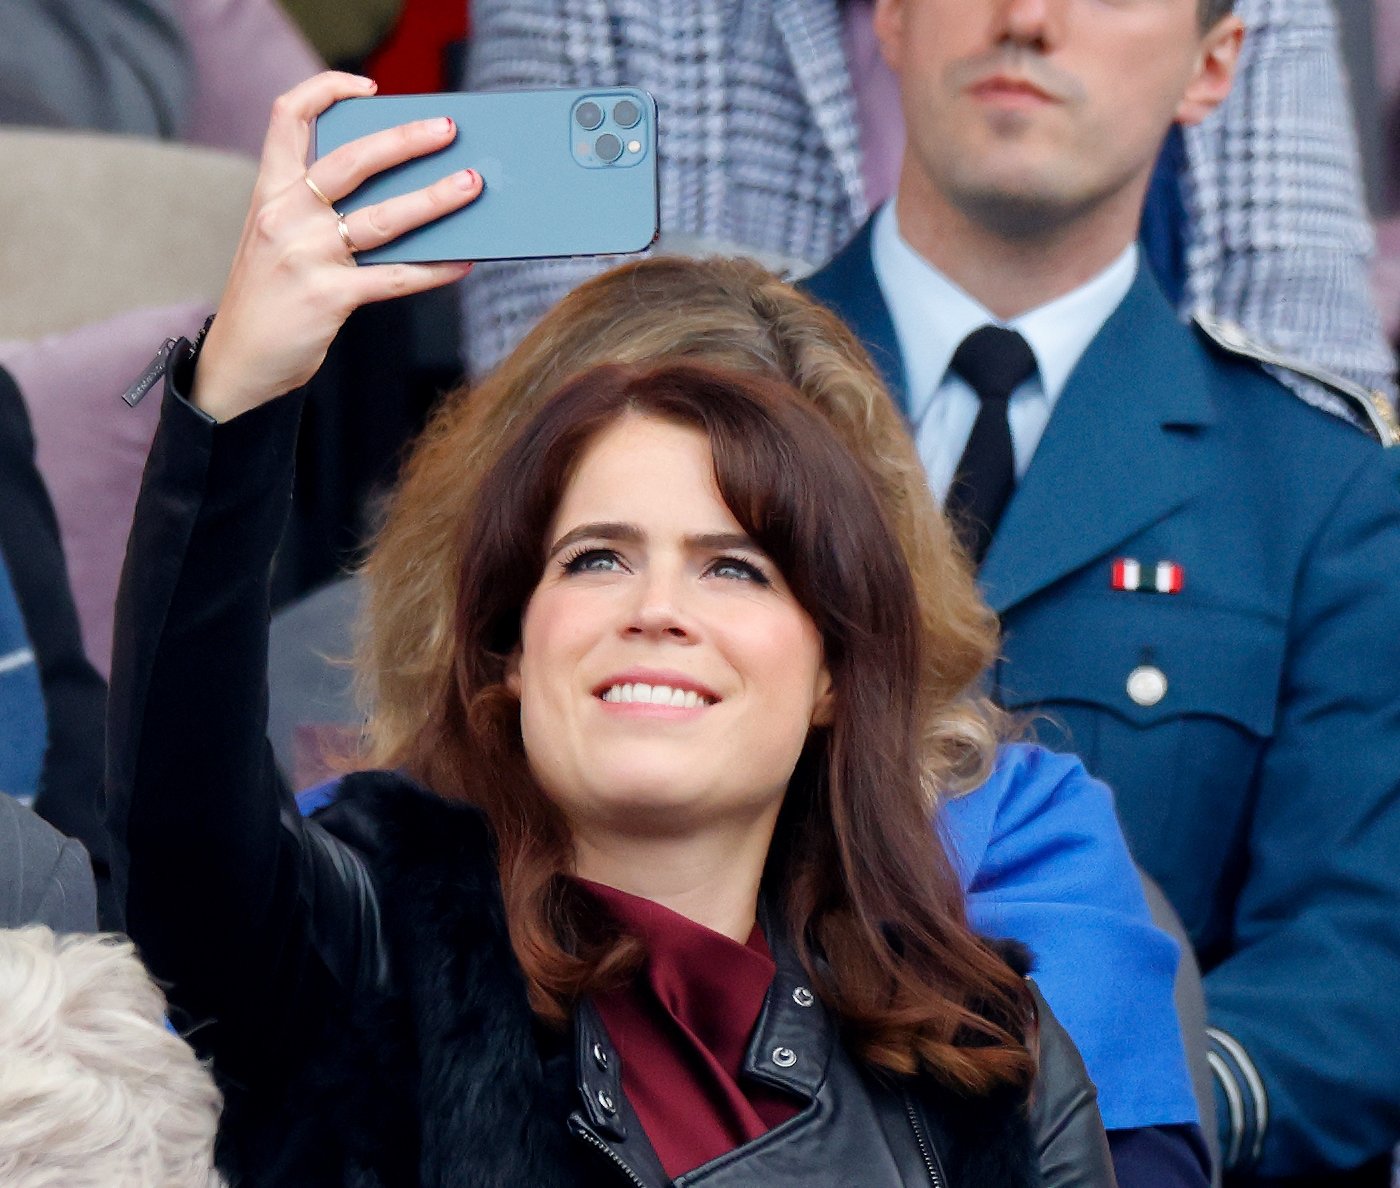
pixel 647 895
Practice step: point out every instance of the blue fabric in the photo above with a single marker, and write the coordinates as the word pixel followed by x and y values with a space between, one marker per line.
pixel 1043 861
pixel 1164 219
pixel 1160 1157
pixel 23 722
pixel 1261 786
pixel 1039 851
pixel 318 796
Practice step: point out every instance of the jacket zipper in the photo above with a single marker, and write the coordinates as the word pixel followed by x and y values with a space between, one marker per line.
pixel 594 1141
pixel 147 380
pixel 157 366
pixel 935 1176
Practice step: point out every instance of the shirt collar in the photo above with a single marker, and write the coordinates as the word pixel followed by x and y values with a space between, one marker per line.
pixel 931 315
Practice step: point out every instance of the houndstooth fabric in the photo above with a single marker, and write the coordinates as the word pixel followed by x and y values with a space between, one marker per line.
pixel 757 127
pixel 760 153
pixel 1279 239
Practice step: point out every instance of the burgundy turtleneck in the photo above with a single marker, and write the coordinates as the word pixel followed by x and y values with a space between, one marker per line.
pixel 681 1028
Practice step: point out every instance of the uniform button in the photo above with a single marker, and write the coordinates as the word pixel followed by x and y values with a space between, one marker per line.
pixel 600 1057
pixel 803 997
pixel 606 1103
pixel 1147 685
pixel 784 1057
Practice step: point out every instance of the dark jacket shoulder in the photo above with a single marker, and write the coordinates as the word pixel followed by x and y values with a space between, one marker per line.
pixel 45 878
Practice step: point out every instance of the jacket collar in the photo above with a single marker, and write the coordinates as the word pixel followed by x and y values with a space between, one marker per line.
pixel 1119 451
pixel 847 285
pixel 791 1049
pixel 795 1035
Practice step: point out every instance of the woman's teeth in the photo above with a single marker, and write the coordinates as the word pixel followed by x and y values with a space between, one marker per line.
pixel 656 695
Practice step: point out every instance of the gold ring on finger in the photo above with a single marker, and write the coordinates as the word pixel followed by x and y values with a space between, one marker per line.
pixel 345 234
pixel 315 189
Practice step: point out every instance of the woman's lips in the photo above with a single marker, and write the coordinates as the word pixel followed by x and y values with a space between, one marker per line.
pixel 645 692
pixel 661 696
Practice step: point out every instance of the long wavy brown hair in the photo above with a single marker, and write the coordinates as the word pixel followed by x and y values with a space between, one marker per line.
pixel 870 902
pixel 728 312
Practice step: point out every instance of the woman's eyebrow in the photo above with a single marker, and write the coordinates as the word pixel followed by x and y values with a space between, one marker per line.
pixel 601 530
pixel 632 534
pixel 721 540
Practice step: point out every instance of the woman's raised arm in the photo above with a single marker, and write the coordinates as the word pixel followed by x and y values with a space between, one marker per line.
pixel 251 916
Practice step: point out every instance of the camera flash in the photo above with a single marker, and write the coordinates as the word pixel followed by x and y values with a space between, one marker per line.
pixel 634 146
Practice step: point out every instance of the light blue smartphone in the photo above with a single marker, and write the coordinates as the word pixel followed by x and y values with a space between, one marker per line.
pixel 564 172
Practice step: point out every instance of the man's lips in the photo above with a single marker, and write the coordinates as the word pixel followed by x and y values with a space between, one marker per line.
pixel 1005 90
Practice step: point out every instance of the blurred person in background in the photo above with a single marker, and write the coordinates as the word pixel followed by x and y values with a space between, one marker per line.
pixel 780 131
pixel 95 1091
pixel 44 877
pixel 1194 568
pixel 63 723
pixel 114 66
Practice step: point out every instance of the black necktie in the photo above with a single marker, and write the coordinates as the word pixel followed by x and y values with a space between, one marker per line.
pixel 995 361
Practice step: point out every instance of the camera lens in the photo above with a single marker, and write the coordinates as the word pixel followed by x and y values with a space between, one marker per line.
pixel 608 147
pixel 627 113
pixel 588 115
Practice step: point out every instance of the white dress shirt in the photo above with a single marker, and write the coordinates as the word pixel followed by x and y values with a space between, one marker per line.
pixel 932 316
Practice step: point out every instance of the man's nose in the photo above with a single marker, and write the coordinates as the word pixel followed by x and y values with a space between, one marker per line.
pixel 1036 23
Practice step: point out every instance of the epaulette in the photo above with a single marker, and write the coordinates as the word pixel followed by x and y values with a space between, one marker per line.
pixel 1369 409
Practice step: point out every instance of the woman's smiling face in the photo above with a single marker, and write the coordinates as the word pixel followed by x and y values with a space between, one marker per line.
pixel 667 676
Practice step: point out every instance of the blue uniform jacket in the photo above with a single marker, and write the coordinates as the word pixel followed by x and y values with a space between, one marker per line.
pixel 1043 861
pixel 1257 769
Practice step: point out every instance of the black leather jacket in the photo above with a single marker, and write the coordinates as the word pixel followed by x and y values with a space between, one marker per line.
pixel 352 976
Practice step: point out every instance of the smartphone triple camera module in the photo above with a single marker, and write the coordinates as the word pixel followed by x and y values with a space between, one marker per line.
pixel 609 131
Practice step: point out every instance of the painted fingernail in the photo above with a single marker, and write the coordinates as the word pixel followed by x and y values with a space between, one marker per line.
pixel 466 179
pixel 441 124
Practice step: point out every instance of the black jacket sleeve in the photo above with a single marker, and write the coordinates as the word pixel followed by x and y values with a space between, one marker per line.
pixel 256 919
pixel 1065 1121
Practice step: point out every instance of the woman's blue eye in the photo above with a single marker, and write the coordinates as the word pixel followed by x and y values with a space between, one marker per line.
pixel 734 567
pixel 592 561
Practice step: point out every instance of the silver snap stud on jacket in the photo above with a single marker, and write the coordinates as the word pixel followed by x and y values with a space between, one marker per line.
pixel 605 1101
pixel 600 1057
pixel 1147 685
pixel 803 997
pixel 784 1057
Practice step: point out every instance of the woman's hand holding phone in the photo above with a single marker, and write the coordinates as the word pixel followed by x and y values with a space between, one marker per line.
pixel 294 281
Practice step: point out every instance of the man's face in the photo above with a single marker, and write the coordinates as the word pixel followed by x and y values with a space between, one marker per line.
pixel 1024 113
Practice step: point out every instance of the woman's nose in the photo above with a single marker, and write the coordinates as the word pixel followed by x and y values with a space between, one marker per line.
pixel 660 610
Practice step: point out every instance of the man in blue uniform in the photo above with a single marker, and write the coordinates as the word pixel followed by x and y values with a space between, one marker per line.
pixel 1198 573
